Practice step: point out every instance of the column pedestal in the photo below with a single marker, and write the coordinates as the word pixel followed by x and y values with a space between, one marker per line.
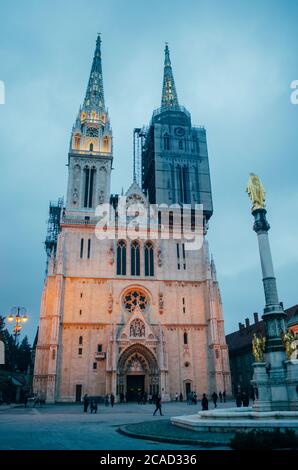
pixel 292 383
pixel 261 383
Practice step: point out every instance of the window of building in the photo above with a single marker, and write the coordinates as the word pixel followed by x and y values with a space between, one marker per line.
pixel 89 176
pixel 185 338
pixel 121 257
pixel 81 340
pixel 77 141
pixel 91 147
pixel 82 248
pixel 94 365
pixel 135 258
pixel 135 298
pixel 89 248
pixel 166 141
pixel 80 351
pixel 180 144
pixel 53 354
pixel 149 259
pixel 178 255
pixel 99 348
pixel 194 147
pixel 183 255
pixel 80 312
pixel 171 222
pixel 105 144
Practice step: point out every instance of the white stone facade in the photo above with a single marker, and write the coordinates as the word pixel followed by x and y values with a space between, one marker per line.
pixel 93 338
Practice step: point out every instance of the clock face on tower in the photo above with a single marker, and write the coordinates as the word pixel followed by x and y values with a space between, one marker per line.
pixel 179 131
pixel 92 132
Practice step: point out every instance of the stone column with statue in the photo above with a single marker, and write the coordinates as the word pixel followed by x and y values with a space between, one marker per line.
pixel 271 368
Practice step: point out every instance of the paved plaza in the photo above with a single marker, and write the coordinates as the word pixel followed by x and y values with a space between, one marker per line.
pixel 67 427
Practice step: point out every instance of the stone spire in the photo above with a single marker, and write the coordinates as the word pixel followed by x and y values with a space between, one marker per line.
pixel 94 98
pixel 169 98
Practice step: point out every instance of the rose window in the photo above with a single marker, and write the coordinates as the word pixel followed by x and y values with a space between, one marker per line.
pixel 133 299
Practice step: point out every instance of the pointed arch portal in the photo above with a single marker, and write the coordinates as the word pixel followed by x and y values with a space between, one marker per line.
pixel 137 372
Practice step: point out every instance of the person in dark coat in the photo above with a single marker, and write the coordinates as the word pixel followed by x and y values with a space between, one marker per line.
pixel 85 402
pixel 112 399
pixel 238 400
pixel 181 397
pixel 158 405
pixel 224 396
pixel 204 402
pixel 245 399
pixel 220 397
pixel 214 398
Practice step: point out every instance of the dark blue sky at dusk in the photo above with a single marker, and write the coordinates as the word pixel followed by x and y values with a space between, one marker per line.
pixel 233 64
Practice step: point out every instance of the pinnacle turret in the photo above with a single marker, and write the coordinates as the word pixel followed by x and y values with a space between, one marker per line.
pixel 169 97
pixel 94 98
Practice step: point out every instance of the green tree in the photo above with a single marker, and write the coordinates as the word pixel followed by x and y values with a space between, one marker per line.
pixel 23 355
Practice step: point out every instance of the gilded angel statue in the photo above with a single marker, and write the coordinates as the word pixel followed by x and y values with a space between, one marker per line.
pixel 256 192
pixel 288 338
pixel 258 347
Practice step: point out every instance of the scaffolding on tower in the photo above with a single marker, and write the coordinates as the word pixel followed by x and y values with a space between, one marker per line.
pixel 53 228
pixel 139 135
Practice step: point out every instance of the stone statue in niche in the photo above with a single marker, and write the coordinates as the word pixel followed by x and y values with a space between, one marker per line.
pixel 101 197
pixel 111 256
pixel 160 302
pixel 137 329
pixel 159 257
pixel 75 196
pixel 110 303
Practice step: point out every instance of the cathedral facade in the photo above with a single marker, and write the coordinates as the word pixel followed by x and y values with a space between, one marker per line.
pixel 140 312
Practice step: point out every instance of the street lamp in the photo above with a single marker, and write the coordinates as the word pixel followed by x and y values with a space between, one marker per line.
pixel 18 315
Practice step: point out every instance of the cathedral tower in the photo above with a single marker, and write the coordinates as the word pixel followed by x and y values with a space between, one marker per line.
pixel 91 148
pixel 175 156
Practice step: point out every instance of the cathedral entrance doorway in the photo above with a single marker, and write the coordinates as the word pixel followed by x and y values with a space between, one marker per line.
pixel 135 387
pixel 138 372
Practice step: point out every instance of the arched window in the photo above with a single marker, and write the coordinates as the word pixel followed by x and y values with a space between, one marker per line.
pixel 81 340
pixel 135 258
pixel 149 259
pixel 185 338
pixel 91 147
pixel 89 175
pixel 121 257
pixel 194 144
pixel 105 144
pixel 180 143
pixel 166 141
pixel 77 141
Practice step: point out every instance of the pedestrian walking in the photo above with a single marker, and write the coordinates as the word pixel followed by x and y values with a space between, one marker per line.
pixel 158 405
pixel 238 400
pixel 112 399
pixel 214 398
pixel 85 403
pixel 91 406
pixel 224 396
pixel 220 397
pixel 204 402
pixel 195 398
pixel 25 400
pixel 245 399
pixel 181 397
pixel 176 396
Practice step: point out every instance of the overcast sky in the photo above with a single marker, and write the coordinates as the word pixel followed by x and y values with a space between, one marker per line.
pixel 233 63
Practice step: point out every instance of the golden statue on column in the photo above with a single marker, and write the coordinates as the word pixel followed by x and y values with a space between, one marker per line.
pixel 256 192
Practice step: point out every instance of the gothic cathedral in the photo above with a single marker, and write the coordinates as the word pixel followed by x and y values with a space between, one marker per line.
pixel 121 315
